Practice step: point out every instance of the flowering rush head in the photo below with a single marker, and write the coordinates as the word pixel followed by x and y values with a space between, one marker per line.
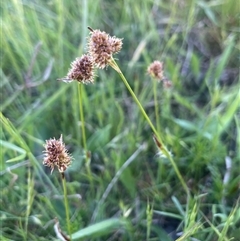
pixel 155 70
pixel 101 46
pixel 56 155
pixel 82 70
pixel 167 84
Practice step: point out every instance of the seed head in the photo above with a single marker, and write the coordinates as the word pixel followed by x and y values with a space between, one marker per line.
pixel 167 84
pixel 101 47
pixel 56 155
pixel 155 70
pixel 82 70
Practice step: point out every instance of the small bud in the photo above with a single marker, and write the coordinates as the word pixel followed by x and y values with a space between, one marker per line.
pixel 167 84
pixel 56 155
pixel 155 70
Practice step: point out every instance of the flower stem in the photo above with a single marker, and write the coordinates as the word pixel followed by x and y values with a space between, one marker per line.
pixel 156 104
pixel 82 116
pixel 66 204
pixel 161 145
pixel 160 164
pixel 114 65
pixel 87 154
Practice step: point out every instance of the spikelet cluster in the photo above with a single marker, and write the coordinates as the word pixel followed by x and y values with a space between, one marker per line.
pixel 82 70
pixel 56 154
pixel 101 46
pixel 155 70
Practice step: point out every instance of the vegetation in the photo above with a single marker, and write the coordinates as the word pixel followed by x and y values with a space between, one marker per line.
pixel 121 185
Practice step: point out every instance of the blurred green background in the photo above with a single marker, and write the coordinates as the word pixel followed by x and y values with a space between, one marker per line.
pixel 198 42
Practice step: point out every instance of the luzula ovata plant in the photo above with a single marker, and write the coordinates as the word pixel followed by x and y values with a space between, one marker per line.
pixel 101 48
pixel 57 155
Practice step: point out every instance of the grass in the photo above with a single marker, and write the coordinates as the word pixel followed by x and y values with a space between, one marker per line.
pixel 129 191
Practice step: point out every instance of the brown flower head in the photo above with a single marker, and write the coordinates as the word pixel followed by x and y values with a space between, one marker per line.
pixel 56 155
pixel 167 84
pixel 155 70
pixel 101 47
pixel 82 70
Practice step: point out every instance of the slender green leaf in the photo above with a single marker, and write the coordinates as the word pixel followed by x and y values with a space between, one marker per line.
pixel 99 229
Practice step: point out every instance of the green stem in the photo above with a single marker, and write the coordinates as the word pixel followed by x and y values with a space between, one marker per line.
pixel 149 213
pixel 160 164
pixel 162 147
pixel 28 204
pixel 80 91
pixel 66 204
pixel 156 104
pixel 114 65
pixel 87 155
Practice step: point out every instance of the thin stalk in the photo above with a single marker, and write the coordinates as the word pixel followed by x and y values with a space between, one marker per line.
pixel 156 104
pixel 114 65
pixel 82 116
pixel 160 164
pixel 30 197
pixel 87 155
pixel 66 204
pixel 159 141
pixel 149 212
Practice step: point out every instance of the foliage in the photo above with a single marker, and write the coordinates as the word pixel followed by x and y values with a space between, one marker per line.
pixel 198 118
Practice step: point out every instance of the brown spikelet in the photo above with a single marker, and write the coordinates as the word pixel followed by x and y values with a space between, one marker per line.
pixel 101 47
pixel 167 84
pixel 56 155
pixel 82 70
pixel 155 70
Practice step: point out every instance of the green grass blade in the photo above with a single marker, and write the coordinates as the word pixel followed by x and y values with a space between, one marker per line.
pixel 99 229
